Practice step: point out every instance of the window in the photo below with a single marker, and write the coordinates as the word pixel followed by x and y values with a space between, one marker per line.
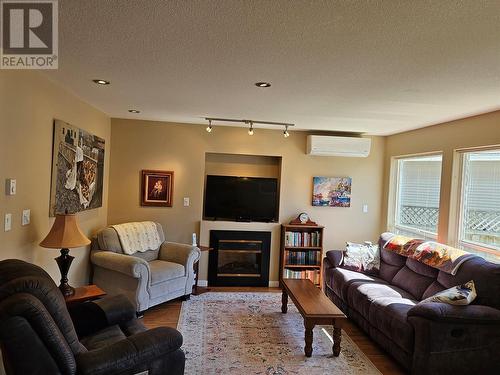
pixel 416 195
pixel 479 224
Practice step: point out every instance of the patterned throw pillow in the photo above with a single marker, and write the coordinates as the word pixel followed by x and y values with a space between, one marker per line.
pixel 362 257
pixel 458 295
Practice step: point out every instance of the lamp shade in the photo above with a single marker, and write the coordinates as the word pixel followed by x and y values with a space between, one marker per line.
pixel 65 233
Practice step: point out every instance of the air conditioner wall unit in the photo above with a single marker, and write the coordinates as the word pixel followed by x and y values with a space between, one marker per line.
pixel 323 145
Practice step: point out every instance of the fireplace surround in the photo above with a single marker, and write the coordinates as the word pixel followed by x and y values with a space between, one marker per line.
pixel 239 258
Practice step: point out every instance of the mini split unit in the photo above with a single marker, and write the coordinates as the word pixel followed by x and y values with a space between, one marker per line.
pixel 322 145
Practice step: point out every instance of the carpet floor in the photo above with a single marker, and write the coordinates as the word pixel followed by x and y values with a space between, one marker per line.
pixel 246 333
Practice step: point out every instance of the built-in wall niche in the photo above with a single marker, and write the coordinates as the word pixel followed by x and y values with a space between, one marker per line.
pixel 241 187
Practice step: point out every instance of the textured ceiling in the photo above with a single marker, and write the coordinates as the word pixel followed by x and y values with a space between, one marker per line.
pixel 378 67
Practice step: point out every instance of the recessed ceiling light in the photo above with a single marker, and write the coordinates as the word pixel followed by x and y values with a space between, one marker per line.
pixel 101 81
pixel 263 84
pixel 134 111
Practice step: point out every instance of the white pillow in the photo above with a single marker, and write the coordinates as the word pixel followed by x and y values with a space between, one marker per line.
pixel 458 295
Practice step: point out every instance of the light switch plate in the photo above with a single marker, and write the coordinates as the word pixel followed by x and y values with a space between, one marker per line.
pixel 10 186
pixel 8 222
pixel 26 217
pixel 365 208
pixel 186 202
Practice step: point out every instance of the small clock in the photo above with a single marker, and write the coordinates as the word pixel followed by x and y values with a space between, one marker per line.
pixel 304 218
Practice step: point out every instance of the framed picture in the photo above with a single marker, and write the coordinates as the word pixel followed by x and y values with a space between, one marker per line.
pixel 77 170
pixel 332 191
pixel 157 188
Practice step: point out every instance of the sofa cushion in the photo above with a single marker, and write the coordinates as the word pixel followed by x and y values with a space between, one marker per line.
pixel 422 269
pixel 162 270
pixel 342 279
pixel 390 263
pixel 412 282
pixel 462 294
pixel 389 315
pixel 486 276
pixel 361 295
pixel 104 337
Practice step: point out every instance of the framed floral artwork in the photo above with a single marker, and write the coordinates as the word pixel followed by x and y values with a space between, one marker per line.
pixel 157 188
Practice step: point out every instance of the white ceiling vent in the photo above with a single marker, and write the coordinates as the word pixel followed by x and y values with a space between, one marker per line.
pixel 322 145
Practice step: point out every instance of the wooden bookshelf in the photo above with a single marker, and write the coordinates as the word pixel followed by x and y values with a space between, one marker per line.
pixel 301 252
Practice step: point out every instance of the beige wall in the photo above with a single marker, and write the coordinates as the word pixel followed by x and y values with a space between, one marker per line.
pixel 29 103
pixel 477 131
pixel 181 148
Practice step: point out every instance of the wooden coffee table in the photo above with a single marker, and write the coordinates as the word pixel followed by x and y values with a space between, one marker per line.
pixel 316 308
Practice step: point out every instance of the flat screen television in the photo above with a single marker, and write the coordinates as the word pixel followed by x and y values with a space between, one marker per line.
pixel 241 198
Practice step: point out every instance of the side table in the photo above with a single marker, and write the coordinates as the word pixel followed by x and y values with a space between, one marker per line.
pixel 197 290
pixel 84 293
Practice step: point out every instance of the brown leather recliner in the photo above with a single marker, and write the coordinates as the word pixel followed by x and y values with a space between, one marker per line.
pixel 39 336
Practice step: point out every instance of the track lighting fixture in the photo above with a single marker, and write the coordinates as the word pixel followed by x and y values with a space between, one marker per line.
pixel 250 123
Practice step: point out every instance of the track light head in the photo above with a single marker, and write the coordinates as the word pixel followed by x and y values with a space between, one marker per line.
pixel 250 131
pixel 209 127
pixel 285 133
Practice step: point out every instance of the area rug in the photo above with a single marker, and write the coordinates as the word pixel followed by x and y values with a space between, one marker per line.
pixel 246 333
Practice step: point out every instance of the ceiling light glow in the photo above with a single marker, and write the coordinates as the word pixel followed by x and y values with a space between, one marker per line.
pixel 101 81
pixel 263 84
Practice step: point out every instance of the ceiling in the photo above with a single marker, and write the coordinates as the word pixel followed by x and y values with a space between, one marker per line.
pixel 377 67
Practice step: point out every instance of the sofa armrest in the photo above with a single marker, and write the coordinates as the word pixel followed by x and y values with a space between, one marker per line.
pixel 438 311
pixel 93 316
pixel 180 253
pixel 453 339
pixel 335 257
pixel 136 353
pixel 126 264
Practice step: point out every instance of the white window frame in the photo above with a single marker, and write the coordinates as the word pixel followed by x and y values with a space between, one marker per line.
pixel 457 206
pixel 393 203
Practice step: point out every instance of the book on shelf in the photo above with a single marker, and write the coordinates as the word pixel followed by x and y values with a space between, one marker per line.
pixel 312 275
pixel 305 258
pixel 302 239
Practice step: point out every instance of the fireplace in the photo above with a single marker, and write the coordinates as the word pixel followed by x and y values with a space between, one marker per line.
pixel 239 258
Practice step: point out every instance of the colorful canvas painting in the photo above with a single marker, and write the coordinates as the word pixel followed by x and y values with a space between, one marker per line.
pixel 332 191
pixel 77 170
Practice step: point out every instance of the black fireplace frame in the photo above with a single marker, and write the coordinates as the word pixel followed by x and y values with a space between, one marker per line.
pixel 213 259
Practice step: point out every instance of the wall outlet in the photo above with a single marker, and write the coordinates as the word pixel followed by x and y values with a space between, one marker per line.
pixel 10 186
pixel 26 217
pixel 8 222
pixel 186 202
pixel 365 208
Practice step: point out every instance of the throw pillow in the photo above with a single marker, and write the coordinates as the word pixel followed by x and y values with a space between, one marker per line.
pixel 362 257
pixel 458 295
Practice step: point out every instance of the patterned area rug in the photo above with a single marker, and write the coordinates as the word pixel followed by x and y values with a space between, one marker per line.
pixel 246 333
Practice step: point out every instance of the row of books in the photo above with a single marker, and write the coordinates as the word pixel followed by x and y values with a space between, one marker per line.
pixel 302 238
pixel 312 275
pixel 306 258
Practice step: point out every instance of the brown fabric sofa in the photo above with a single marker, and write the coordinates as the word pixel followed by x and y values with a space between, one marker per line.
pixel 426 338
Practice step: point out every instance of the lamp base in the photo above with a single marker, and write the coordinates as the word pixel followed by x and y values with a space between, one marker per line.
pixel 64 262
pixel 67 290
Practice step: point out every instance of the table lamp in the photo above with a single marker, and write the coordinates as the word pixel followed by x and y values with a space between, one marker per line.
pixel 65 234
